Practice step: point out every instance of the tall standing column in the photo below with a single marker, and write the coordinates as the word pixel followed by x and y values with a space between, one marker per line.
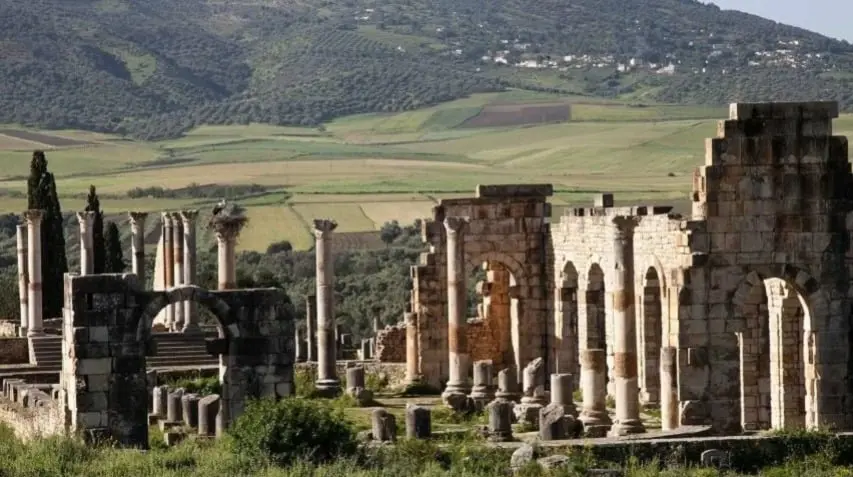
pixel 311 326
pixel 327 375
pixel 188 217
pixel 168 264
pixel 178 265
pixel 34 325
pixel 625 335
pixel 87 256
pixel 23 278
pixel 457 339
pixel 137 243
pixel 227 229
pixel 412 352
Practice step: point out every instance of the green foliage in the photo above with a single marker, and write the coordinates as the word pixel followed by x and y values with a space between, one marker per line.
pixel 93 204
pixel 293 429
pixel 112 247
pixel 159 68
pixel 41 194
pixel 303 381
pixel 197 385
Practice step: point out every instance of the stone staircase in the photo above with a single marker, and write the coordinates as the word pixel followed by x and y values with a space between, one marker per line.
pixel 174 350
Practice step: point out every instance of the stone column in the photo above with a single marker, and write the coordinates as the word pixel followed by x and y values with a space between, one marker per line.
pixel 34 316
pixel 87 255
pixel 168 264
pixel 668 389
pixel 625 334
pixel 594 389
pixel 137 243
pixel 227 229
pixel 413 374
pixel 457 386
pixel 23 279
pixel 178 266
pixel 188 219
pixel 327 376
pixel 311 326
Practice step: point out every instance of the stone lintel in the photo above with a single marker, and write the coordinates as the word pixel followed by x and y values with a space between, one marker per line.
pixel 784 110
pixel 514 190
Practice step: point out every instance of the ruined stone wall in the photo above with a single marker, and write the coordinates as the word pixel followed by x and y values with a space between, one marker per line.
pixel 30 423
pixel 391 344
pixel 483 339
pixel 14 351
pixel 508 225
pixel 773 200
pixel 9 329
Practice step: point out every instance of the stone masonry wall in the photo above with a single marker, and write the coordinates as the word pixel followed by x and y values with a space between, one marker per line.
pixel 391 344
pixel 483 337
pixel 32 423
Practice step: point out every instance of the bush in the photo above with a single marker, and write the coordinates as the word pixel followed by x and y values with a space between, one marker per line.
pixel 293 429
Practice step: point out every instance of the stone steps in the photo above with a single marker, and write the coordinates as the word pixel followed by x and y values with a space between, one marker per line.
pixel 173 350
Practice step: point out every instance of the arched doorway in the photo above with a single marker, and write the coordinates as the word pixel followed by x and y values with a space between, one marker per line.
pixel 649 337
pixel 776 358
pixel 565 345
pixel 493 334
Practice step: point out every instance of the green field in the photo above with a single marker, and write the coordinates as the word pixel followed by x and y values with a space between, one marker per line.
pixel 366 170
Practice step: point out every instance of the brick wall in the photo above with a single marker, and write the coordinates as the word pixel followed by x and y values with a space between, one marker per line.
pixel 391 344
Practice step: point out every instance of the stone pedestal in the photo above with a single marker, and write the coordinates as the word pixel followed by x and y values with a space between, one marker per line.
pixel 457 389
pixel 594 415
pixel 668 389
pixel 23 278
pixel 383 425
pixel 137 244
pixel 508 385
pixel 174 407
pixel 208 410
pixel 554 423
pixel 562 392
pixel 418 422
pixel 35 325
pixel 500 420
pixel 533 394
pixel 482 393
pixel 366 351
pixel 161 398
pixel 327 383
pixel 86 222
pixel 189 409
pixel 188 220
pixel 627 384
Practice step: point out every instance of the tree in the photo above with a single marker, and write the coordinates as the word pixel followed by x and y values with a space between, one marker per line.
pixel 114 258
pixel 390 231
pixel 41 194
pixel 93 204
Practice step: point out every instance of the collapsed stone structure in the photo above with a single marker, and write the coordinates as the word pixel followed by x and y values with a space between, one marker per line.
pixel 736 317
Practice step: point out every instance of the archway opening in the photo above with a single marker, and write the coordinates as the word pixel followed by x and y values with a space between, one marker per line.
pixel 565 343
pixel 593 330
pixel 493 323
pixel 649 338
pixel 776 358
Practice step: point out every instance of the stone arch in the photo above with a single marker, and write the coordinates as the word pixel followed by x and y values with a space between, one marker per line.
pixel 217 306
pixel 779 382
pixel 650 335
pixel 565 342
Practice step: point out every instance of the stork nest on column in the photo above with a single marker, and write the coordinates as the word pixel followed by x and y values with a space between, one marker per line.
pixel 228 215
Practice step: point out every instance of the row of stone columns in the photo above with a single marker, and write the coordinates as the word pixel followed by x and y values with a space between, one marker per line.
pixel 29 273
pixel 178 236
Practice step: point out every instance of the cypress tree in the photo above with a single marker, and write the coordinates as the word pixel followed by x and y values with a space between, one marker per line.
pixel 112 248
pixel 41 194
pixel 93 204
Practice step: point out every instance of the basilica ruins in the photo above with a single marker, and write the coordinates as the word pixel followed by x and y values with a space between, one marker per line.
pixel 735 318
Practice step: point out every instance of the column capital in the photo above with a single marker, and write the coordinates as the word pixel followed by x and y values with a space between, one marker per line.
pixel 176 218
pixel 166 217
pixel 86 219
pixel 625 225
pixel 227 228
pixel 33 216
pixel 455 224
pixel 189 217
pixel 324 227
pixel 137 217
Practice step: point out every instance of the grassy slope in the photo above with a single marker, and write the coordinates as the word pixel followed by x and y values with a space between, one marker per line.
pixel 366 170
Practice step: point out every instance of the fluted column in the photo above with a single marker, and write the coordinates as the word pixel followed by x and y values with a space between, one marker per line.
pixel 87 256
pixel 23 278
pixel 34 325
pixel 188 218
pixel 327 375
pixel 137 243
pixel 168 264
pixel 625 331
pixel 311 326
pixel 178 266
pixel 412 352
pixel 457 329
pixel 227 229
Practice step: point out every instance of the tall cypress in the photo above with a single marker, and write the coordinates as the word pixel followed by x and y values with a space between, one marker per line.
pixel 41 194
pixel 112 247
pixel 93 204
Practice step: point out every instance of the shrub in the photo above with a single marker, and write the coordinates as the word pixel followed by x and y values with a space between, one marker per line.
pixel 296 428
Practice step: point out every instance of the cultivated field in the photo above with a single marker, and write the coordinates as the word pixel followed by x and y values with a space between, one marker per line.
pixel 366 170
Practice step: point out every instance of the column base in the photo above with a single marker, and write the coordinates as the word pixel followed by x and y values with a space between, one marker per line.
pixel 505 396
pixel 455 397
pixel 595 418
pixel 192 329
pixel 22 333
pixel 34 333
pixel 626 428
pixel 328 388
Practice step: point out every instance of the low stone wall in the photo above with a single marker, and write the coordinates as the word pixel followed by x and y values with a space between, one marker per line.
pixel 9 329
pixel 392 373
pixel 391 344
pixel 14 351
pixel 32 423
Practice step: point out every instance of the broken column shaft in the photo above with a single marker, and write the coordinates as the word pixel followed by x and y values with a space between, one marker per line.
pixel 137 243
pixel 34 302
pixel 87 255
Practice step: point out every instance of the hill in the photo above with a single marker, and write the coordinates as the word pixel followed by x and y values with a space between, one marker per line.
pixel 158 68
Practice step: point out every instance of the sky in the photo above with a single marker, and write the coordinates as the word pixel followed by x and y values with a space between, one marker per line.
pixel 828 17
